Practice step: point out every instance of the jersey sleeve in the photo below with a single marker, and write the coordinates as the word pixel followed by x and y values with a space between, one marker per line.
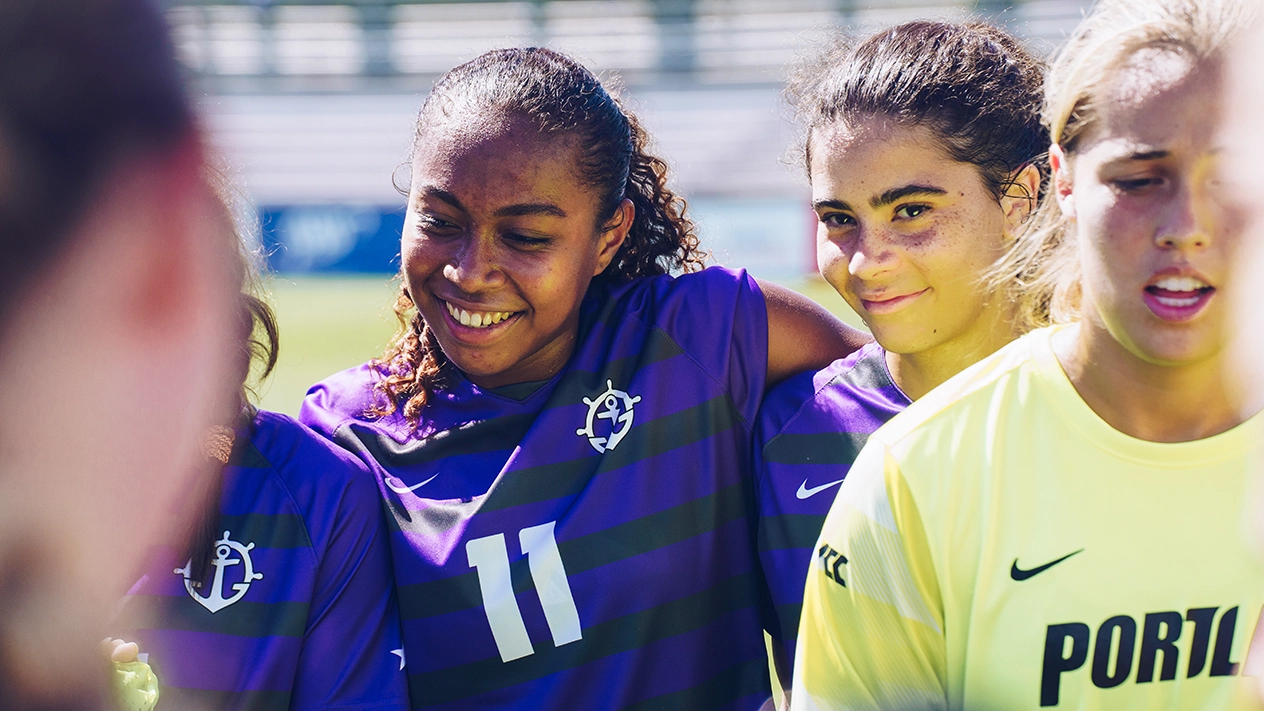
pixel 719 318
pixel 352 654
pixel 340 397
pixel 786 527
pixel 871 635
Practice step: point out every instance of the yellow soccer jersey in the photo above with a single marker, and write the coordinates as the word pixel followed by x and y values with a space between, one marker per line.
pixel 999 546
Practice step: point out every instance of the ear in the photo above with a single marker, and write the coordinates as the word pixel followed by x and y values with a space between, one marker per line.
pixel 1019 200
pixel 613 233
pixel 1062 187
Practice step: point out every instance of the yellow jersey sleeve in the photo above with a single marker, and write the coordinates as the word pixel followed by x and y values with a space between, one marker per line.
pixel 871 635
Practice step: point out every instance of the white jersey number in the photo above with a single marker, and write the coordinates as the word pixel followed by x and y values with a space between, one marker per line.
pixel 489 556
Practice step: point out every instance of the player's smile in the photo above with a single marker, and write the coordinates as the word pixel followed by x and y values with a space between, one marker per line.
pixel 889 303
pixel 476 326
pixel 905 232
pixel 500 244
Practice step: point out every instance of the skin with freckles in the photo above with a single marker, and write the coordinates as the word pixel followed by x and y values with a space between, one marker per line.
pixel 1142 191
pixel 499 224
pixel 904 235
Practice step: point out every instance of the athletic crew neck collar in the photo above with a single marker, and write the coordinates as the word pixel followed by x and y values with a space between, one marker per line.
pixel 1167 455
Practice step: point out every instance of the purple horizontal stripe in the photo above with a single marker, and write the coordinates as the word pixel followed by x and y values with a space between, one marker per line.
pixel 693 565
pixel 787 572
pixel 668 665
pixel 220 662
pixel 610 498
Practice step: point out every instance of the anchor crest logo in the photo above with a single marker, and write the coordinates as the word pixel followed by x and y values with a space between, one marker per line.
pixel 615 406
pixel 225 548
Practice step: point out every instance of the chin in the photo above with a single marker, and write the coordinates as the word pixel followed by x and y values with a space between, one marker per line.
pixel 1176 350
pixel 904 340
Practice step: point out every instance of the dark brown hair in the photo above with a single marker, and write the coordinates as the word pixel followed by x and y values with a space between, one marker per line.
pixel 84 86
pixel 973 84
pixel 560 97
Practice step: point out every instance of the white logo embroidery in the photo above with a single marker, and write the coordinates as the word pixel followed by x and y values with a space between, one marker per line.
pixel 401 489
pixel 215 600
pixel 617 408
pixel 804 492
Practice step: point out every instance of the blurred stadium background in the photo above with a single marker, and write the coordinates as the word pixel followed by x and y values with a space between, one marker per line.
pixel 311 103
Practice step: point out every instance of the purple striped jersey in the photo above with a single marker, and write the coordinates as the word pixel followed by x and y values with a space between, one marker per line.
pixel 297 610
pixel 809 431
pixel 586 542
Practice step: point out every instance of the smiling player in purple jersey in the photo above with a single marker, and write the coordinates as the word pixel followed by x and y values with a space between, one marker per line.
pixel 562 432
pixel 923 149
pixel 283 599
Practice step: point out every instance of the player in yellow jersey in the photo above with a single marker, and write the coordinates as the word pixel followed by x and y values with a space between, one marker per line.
pixel 1060 525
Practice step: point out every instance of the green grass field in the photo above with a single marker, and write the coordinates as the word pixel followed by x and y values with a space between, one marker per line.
pixel 331 323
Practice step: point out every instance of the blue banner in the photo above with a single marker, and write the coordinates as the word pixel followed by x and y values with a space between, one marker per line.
pixel 331 238
pixel 774 238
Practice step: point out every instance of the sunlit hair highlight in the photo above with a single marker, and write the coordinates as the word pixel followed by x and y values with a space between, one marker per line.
pixel 561 98
pixel 1042 270
pixel 973 84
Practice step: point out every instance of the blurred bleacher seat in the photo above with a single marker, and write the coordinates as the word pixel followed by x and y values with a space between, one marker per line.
pixel 313 101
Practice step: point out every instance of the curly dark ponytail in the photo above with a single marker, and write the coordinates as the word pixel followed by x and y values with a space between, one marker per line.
pixel 559 96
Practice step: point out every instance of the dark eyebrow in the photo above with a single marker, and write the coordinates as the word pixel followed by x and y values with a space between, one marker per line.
pixel 443 195
pixel 817 205
pixel 1148 155
pixel 522 210
pixel 894 194
pixel 528 209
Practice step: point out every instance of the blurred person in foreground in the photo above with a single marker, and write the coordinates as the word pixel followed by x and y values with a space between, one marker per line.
pixel 118 327
pixel 1060 524
pixel 1244 106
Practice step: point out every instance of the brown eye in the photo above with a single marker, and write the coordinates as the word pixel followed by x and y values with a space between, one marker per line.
pixel 1133 185
pixel 909 212
pixel 837 219
pixel 434 222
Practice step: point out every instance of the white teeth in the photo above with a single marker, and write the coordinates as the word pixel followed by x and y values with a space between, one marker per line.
pixel 1181 284
pixel 1177 303
pixel 477 319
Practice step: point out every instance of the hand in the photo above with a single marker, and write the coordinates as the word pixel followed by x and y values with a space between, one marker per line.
pixel 133 684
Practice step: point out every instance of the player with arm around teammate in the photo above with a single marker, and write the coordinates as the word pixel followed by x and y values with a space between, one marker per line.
pixel 283 596
pixel 1059 526
pixel 920 180
pixel 562 432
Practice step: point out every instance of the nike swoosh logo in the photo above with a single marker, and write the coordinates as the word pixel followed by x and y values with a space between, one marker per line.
pixel 405 489
pixel 1020 575
pixel 804 492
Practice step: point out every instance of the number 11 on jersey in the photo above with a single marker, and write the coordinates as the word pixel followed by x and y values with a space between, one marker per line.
pixel 490 557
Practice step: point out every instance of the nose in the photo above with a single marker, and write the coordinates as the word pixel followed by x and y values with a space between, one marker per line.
pixel 1193 215
pixel 475 267
pixel 871 255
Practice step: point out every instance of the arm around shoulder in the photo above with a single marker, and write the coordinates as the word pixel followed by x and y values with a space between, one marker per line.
pixel 802 335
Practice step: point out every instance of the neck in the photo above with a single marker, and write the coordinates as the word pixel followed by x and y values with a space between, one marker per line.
pixel 918 373
pixel 1149 401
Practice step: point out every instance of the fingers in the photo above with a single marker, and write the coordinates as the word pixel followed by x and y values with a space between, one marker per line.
pixel 119 651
